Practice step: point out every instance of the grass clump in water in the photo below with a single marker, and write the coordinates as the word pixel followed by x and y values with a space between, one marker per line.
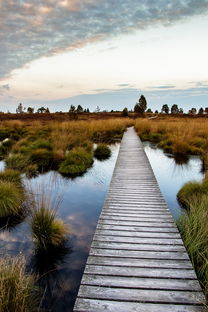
pixel 192 190
pixel 47 230
pixel 11 199
pixel 17 289
pixel 77 162
pixel 43 158
pixel 16 162
pixel 102 152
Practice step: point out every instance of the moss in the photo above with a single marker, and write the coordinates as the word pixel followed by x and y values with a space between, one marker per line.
pixel 77 162
pixel 11 199
pixel 102 152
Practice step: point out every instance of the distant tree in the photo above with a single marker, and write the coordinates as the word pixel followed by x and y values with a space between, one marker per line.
pixel 30 110
pixel 181 111
pixel 141 105
pixel 79 109
pixel 174 109
pixel 201 111
pixel 165 109
pixel 72 109
pixel 125 112
pixel 47 110
pixel 97 110
pixel 156 112
pixel 41 110
pixel 87 110
pixel 206 110
pixel 149 110
pixel 192 111
pixel 19 109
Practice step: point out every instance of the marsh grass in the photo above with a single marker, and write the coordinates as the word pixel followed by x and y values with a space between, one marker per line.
pixel 47 231
pixel 175 135
pixel 11 199
pixel 191 191
pixel 102 152
pixel 18 292
pixel 194 231
pixel 77 162
pixel 11 175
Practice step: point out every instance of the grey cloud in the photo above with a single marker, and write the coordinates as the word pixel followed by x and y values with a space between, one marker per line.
pixel 4 88
pixel 33 28
pixel 163 87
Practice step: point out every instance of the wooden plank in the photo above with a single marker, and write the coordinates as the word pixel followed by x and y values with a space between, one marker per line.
pixel 136 246
pixel 138 240
pixel 140 272
pixel 137 228
pixel 140 282
pixel 139 295
pixel 93 305
pixel 138 254
pixel 142 263
pixel 138 234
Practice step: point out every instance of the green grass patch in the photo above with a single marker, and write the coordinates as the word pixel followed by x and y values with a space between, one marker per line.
pixel 43 158
pixel 11 199
pixel 77 162
pixel 18 292
pixel 191 191
pixel 102 152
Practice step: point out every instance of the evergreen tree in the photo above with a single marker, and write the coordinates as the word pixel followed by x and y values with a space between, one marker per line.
pixel 141 105
pixel 201 111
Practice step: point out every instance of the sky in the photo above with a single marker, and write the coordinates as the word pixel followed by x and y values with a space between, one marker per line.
pixel 104 53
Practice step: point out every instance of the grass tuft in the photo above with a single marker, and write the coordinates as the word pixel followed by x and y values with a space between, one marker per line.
pixel 47 231
pixel 11 175
pixel 191 191
pixel 18 292
pixel 11 199
pixel 77 162
pixel 102 152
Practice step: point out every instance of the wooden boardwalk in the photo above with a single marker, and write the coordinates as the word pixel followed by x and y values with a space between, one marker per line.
pixel 137 261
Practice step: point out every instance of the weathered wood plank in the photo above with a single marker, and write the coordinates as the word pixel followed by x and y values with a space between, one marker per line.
pixel 140 282
pixel 139 254
pixel 139 295
pixel 140 272
pixel 138 234
pixel 142 263
pixel 138 240
pixel 93 305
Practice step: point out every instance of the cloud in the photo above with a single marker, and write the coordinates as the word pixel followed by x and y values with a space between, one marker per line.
pixel 4 88
pixel 163 87
pixel 31 29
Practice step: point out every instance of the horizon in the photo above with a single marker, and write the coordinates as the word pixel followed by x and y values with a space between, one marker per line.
pixel 90 53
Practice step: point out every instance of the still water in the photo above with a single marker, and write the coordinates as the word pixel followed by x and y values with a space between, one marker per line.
pixel 81 200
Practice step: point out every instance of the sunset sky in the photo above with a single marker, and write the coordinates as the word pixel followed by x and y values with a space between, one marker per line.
pixel 55 53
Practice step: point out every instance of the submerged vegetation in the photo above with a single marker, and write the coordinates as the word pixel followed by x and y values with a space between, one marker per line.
pixel 17 288
pixel 102 152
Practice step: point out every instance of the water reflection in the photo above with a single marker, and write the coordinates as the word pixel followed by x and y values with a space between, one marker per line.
pixel 82 199
pixel 172 173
